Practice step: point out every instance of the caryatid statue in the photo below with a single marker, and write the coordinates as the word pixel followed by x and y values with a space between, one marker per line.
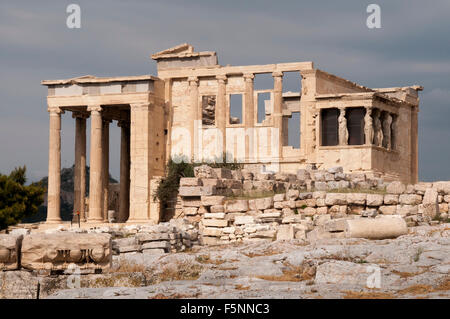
pixel 378 134
pixel 394 131
pixel 343 131
pixel 368 126
pixel 387 131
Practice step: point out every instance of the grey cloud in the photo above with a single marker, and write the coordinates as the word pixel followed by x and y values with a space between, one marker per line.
pixel 117 38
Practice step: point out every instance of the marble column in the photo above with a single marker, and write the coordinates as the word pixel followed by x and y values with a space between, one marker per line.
pixel 124 195
pixel 54 167
pixel 105 167
pixel 80 166
pixel 221 111
pixel 249 117
pixel 95 176
pixel 278 110
pixel 195 115
pixel 414 129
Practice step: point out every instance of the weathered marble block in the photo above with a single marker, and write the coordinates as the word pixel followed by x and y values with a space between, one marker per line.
pixel 58 251
pixel 10 251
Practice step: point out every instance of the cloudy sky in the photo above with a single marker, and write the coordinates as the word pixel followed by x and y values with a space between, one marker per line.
pixel 117 37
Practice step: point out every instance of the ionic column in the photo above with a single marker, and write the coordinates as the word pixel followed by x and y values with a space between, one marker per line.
pixel 80 166
pixel 105 167
pixel 221 112
pixel 414 129
pixel 278 108
pixel 124 195
pixel 195 114
pixel 368 126
pixel 54 167
pixel 95 178
pixel 343 131
pixel 249 115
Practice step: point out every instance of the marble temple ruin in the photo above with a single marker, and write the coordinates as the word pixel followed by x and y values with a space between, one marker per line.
pixel 186 111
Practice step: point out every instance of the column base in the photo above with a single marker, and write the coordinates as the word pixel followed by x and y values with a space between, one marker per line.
pixel 54 221
pixel 140 221
pixel 95 221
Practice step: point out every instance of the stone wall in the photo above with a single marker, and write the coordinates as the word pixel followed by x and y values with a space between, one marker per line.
pixel 239 205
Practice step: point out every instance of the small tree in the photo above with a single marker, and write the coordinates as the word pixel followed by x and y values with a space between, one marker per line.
pixel 17 200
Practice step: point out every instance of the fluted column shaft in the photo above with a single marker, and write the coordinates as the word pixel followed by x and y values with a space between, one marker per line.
pixel 195 114
pixel 80 166
pixel 95 178
pixel 221 112
pixel 54 167
pixel 105 167
pixel 249 116
pixel 278 108
pixel 124 195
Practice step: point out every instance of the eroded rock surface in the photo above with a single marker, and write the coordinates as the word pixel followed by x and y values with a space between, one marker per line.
pixel 410 266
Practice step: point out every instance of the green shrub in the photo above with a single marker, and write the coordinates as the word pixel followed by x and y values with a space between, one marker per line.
pixel 180 166
pixel 168 186
pixel 17 200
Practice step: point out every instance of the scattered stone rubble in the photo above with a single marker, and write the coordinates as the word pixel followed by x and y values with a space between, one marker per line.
pixel 218 199
pixel 216 209
pixel 162 238
pixel 415 265
pixel 412 265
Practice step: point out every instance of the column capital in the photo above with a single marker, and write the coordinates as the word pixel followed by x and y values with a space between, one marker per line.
pixel 106 120
pixel 193 80
pixel 141 105
pixel 94 108
pixel 248 77
pixel 55 110
pixel 81 115
pixel 221 78
pixel 277 74
pixel 123 123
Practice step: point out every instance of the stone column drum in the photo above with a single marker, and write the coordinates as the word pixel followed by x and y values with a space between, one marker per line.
pixel 195 114
pixel 124 195
pixel 80 166
pixel 105 167
pixel 54 167
pixel 249 117
pixel 221 113
pixel 95 180
pixel 278 109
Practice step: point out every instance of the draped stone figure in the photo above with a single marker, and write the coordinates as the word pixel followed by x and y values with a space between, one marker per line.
pixel 387 131
pixel 394 131
pixel 343 132
pixel 378 134
pixel 368 127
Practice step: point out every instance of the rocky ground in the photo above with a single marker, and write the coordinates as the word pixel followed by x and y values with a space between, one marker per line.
pixel 416 265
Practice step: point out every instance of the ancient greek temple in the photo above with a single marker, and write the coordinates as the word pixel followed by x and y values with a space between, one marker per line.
pixel 198 110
